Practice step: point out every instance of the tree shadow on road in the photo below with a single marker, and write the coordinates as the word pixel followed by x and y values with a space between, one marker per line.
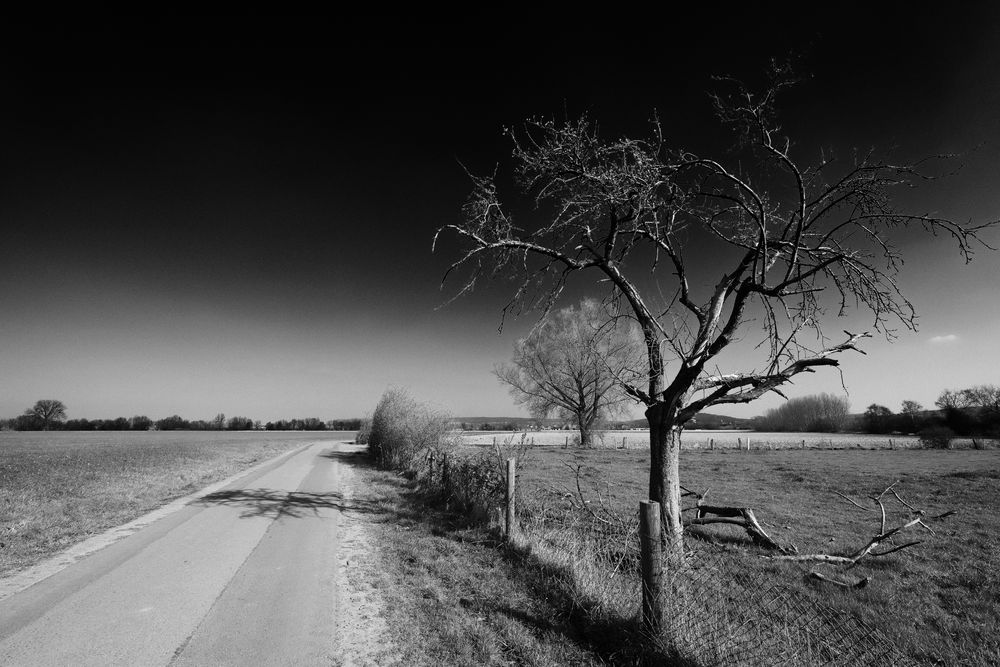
pixel 277 504
pixel 286 504
pixel 359 458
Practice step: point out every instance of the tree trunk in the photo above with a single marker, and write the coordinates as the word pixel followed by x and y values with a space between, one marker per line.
pixel 585 436
pixel 664 474
pixel 586 430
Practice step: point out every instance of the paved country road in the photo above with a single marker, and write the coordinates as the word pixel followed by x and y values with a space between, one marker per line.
pixel 246 575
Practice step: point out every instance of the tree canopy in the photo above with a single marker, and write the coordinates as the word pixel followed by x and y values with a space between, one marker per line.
pixel 787 239
pixel 624 207
pixel 575 363
pixel 47 411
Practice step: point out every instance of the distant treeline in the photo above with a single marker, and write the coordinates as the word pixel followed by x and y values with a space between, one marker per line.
pixel 533 425
pixel 28 422
pixel 966 412
pixel 493 426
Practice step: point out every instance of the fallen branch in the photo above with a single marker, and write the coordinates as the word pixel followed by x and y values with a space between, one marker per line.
pixel 868 550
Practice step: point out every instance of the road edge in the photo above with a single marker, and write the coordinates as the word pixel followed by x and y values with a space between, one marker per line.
pixel 19 581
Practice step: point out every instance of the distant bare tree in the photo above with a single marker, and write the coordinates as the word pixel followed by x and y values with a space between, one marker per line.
pixel 972 410
pixel 954 400
pixel 575 363
pixel 912 410
pixel 818 412
pixel 877 418
pixel 983 396
pixel 785 240
pixel 47 411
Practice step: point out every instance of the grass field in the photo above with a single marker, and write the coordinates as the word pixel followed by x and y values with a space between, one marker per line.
pixel 57 488
pixel 938 601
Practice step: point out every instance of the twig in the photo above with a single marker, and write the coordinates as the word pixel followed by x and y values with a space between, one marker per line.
pixel 861 583
pixel 903 502
pixel 860 507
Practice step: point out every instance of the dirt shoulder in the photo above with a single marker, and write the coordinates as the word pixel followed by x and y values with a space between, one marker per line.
pixel 421 588
pixel 363 636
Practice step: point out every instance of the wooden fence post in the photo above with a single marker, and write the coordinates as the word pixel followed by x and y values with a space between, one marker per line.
pixel 739 443
pixel 511 477
pixel 748 443
pixel 651 565
pixel 711 443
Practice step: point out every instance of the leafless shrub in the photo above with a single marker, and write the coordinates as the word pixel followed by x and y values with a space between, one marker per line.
pixel 364 433
pixel 937 437
pixel 403 429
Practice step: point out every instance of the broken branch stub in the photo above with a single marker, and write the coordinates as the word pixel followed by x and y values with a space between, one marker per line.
pixel 743 517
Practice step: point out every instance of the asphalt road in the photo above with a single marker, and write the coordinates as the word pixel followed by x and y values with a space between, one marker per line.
pixel 243 576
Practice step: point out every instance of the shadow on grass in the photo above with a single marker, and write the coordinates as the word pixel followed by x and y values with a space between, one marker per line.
pixel 558 606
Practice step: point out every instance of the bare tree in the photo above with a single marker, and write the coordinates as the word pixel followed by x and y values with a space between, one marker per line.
pixel 575 363
pixel 47 411
pixel 986 397
pixel 786 240
pixel 954 400
pixel 818 412
pixel 912 410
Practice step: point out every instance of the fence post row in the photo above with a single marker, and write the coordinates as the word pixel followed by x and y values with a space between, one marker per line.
pixel 511 477
pixel 651 565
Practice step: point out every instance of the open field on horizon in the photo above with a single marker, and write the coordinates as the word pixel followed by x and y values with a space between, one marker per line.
pixel 936 600
pixel 704 439
pixel 60 487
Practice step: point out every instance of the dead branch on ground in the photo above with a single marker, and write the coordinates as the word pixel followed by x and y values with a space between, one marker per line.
pixel 883 539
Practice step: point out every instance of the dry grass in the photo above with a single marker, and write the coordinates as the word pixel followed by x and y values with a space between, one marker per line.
pixel 61 487
pixel 457 596
pixel 937 601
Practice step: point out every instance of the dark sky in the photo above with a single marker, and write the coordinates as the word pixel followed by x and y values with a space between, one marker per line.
pixel 238 219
